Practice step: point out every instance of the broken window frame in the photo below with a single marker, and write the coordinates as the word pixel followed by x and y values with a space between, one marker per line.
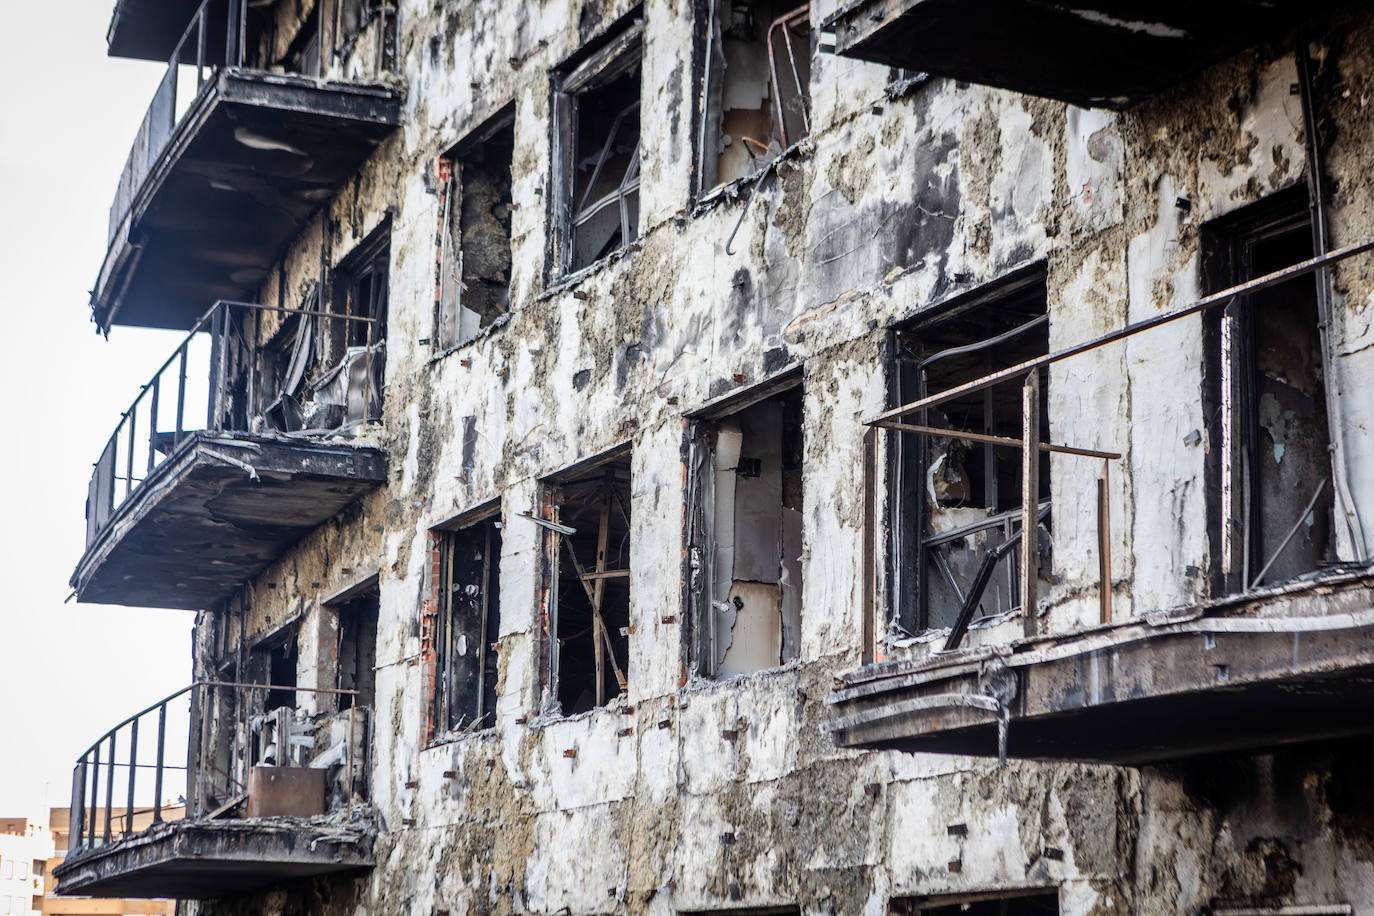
pixel 784 73
pixel 909 567
pixel 1236 504
pixel 700 531
pixel 557 547
pixel 351 620
pixel 453 669
pixel 449 307
pixel 619 52
pixel 360 288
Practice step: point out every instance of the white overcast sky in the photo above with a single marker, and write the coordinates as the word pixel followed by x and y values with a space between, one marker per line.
pixel 67 671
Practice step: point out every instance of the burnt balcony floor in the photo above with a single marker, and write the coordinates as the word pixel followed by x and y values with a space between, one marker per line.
pixel 1292 666
pixel 200 523
pixel 203 212
pixel 1104 54
pixel 203 859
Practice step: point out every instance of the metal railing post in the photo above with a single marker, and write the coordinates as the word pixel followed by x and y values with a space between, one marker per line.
pixel 76 818
pixel 129 458
pixel 109 786
pixel 95 792
pixel 133 770
pixel 157 773
pixel 200 43
pixel 152 420
pixel 1030 497
pixel 1104 547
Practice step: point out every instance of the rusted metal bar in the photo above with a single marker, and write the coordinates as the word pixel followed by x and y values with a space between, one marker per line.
pixel 604 574
pixel 784 22
pixel 161 750
pixel 1201 305
pixel 1030 496
pixel 1104 547
pixel 994 440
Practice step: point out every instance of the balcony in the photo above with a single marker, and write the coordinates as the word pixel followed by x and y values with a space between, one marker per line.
pixel 1286 654
pixel 1097 55
pixel 253 816
pixel 233 157
pixel 181 512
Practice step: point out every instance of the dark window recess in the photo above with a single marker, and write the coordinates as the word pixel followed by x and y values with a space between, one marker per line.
pixel 474 236
pixel 358 649
pixel 356 341
pixel 469 623
pixel 1039 904
pixel 281 673
pixel 745 536
pixel 958 502
pixel 590 584
pixel 1271 475
pixel 755 93
pixel 597 165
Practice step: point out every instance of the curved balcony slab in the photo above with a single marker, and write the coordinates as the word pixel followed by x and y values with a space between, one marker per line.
pixel 204 210
pixel 204 859
pixel 1295 666
pixel 216 512
pixel 1109 54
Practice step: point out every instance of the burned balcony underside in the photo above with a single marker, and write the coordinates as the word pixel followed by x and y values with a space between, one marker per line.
pixel 216 513
pixel 205 859
pixel 1299 666
pixel 1092 54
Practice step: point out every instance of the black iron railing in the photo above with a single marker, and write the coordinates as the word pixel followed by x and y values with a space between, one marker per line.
pixel 217 366
pixel 161 761
pixel 216 37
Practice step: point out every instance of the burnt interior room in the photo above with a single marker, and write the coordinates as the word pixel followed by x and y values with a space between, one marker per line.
pixel 959 501
pixel 593 584
pixel 469 624
pixel 757 73
pixel 600 119
pixel 1270 480
pixel 475 261
pixel 746 531
pixel 358 618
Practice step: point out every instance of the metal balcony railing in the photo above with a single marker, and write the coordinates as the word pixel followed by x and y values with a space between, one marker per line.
pixel 215 37
pixel 217 366
pixel 1019 528
pixel 167 751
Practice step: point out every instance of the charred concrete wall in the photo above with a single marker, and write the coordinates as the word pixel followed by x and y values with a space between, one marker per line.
pixel 689 794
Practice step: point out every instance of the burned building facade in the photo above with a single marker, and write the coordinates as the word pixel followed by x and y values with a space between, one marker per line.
pixel 737 457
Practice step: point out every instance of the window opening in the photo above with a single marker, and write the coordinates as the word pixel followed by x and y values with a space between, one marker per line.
pixel 281 673
pixel 755 91
pixel 1274 507
pixel 1045 903
pixel 597 104
pixel 469 622
pixel 589 561
pixel 745 536
pixel 474 239
pixel 357 345
pixel 357 649
pixel 959 501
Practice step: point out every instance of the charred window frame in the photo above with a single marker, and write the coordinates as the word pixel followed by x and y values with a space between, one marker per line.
pixel 595 184
pixel 474 245
pixel 1269 476
pixel 957 504
pixel 754 66
pixel 357 613
pixel 356 346
pixel 1019 903
pixel 468 623
pixel 585 514
pixel 744 531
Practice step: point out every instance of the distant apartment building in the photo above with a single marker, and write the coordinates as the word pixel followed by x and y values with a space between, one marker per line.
pixel 25 851
pixel 859 457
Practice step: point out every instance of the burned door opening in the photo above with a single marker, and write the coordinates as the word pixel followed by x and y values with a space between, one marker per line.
pixel 745 536
pixel 474 233
pixel 468 624
pixel 958 503
pixel 1270 479
pixel 596 168
pixel 755 99
pixel 1035 904
pixel 588 583
pixel 357 649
